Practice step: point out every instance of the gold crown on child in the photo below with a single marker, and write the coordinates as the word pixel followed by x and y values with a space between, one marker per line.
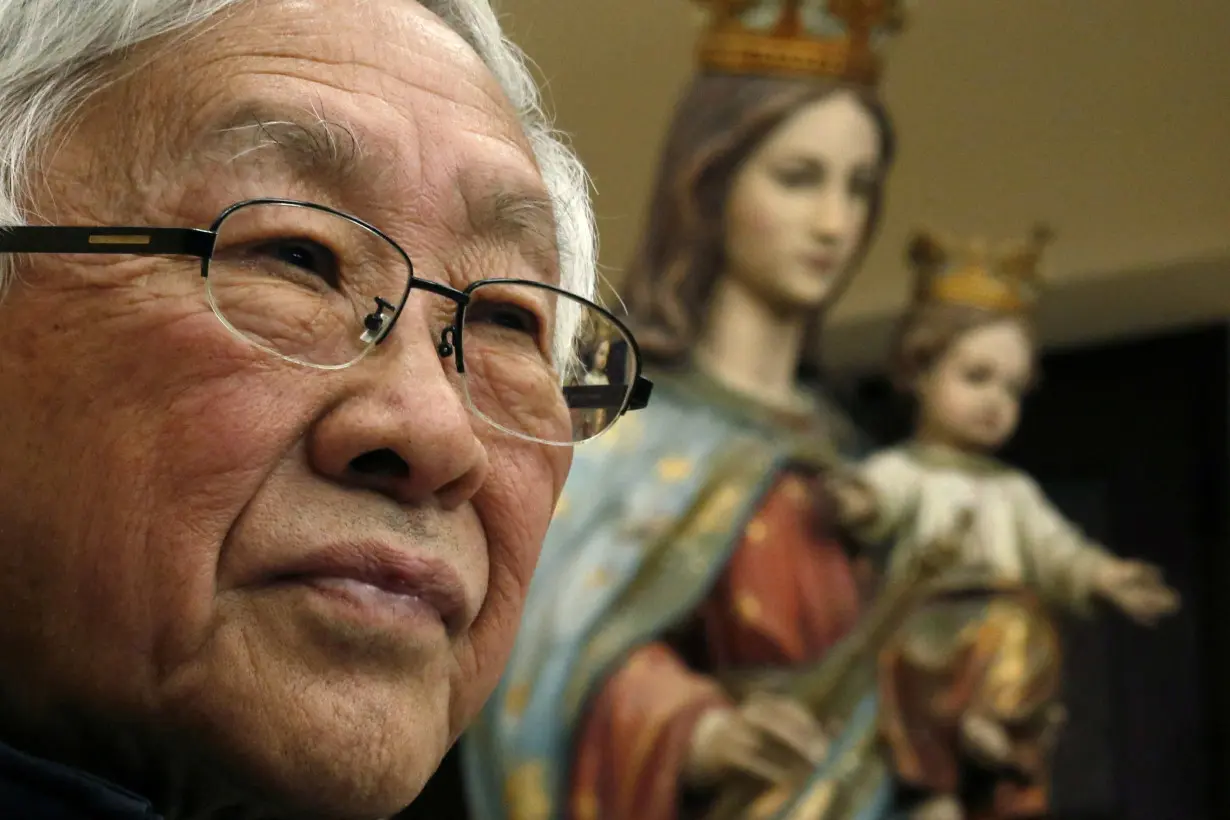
pixel 970 273
pixel 838 39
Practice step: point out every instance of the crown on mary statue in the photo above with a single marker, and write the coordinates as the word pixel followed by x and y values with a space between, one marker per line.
pixel 836 39
pixel 973 274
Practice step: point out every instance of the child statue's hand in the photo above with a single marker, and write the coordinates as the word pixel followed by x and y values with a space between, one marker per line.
pixel 943 552
pixel 854 500
pixel 946 551
pixel 1137 589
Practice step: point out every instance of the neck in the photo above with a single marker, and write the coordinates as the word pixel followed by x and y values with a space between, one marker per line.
pixel 929 436
pixel 749 347
pixel 936 438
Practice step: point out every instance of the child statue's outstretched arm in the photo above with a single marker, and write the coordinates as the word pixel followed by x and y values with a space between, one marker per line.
pixel 1072 568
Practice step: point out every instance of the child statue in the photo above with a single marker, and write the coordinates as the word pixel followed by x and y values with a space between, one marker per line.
pixel 969 686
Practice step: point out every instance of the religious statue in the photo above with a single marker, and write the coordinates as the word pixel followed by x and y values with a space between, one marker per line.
pixel 688 546
pixel 969 685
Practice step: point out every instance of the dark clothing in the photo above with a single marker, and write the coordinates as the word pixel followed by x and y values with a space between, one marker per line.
pixel 35 789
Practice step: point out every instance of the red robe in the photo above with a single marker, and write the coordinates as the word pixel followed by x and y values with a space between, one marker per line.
pixel 786 596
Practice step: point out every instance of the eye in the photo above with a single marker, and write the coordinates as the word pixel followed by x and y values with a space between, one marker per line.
pixel 505 315
pixel 303 256
pixel 863 185
pixel 799 176
pixel 977 375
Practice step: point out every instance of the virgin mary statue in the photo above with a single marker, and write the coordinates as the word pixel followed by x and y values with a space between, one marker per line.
pixel 694 545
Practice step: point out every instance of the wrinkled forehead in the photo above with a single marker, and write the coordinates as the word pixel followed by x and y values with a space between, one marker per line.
pixel 380 96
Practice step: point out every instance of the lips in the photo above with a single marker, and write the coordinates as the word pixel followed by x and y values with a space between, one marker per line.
pixel 384 570
pixel 989 421
pixel 822 263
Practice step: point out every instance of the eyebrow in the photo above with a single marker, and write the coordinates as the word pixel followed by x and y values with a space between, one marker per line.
pixel 813 162
pixel 519 216
pixel 331 154
pixel 313 147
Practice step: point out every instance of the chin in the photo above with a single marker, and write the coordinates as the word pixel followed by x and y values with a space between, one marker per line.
pixel 802 299
pixel 343 743
pixel 343 768
pixel 987 444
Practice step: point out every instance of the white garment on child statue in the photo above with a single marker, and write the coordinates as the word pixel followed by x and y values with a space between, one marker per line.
pixel 1016 534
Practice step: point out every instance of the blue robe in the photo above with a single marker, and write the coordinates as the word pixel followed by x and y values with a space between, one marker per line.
pixel 648 519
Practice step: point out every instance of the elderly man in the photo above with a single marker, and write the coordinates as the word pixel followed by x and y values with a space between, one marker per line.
pixel 292 347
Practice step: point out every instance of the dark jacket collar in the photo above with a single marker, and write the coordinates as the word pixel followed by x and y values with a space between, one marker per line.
pixel 35 789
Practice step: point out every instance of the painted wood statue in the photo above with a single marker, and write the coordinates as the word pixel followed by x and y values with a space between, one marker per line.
pixel 969 687
pixel 688 545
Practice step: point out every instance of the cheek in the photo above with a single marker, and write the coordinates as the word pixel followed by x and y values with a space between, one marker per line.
pixel 220 415
pixel 214 453
pixel 1012 411
pixel 953 401
pixel 515 508
pixel 972 403
pixel 134 469
pixel 755 219
pixel 860 213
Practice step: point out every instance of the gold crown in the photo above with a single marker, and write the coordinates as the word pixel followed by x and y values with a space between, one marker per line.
pixel 799 38
pixel 1003 280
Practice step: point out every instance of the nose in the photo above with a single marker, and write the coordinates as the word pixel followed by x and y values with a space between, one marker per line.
pixel 995 406
pixel 404 430
pixel 831 216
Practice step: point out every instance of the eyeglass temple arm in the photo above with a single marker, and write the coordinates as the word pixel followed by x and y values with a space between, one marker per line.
pixel 638 399
pixel 142 241
pixel 609 396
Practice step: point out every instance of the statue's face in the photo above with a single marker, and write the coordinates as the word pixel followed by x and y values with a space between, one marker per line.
pixel 799 205
pixel 971 397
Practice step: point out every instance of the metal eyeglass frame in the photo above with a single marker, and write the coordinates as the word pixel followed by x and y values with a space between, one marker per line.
pixel 199 243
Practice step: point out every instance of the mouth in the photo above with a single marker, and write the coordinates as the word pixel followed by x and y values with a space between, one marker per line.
pixel 989 422
pixel 820 262
pixel 987 432
pixel 383 582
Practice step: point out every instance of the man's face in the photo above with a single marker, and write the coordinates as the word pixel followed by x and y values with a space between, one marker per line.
pixel 163 484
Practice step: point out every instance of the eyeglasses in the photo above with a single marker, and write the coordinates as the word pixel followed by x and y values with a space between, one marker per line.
pixel 322 288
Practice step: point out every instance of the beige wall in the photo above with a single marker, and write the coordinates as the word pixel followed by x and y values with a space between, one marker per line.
pixel 1109 118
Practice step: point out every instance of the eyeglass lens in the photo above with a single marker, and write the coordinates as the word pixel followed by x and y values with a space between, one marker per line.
pixel 523 376
pixel 299 282
pixel 304 284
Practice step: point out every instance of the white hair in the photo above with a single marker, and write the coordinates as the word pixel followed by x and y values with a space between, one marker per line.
pixel 54 54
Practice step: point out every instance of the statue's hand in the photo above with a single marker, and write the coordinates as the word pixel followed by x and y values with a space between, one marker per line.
pixel 1137 589
pixel 985 740
pixel 945 552
pixel 1056 718
pixel 766 736
pixel 854 500
pixel 939 807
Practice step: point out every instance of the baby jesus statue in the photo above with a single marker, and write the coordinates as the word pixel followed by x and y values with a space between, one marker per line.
pixel 969 686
